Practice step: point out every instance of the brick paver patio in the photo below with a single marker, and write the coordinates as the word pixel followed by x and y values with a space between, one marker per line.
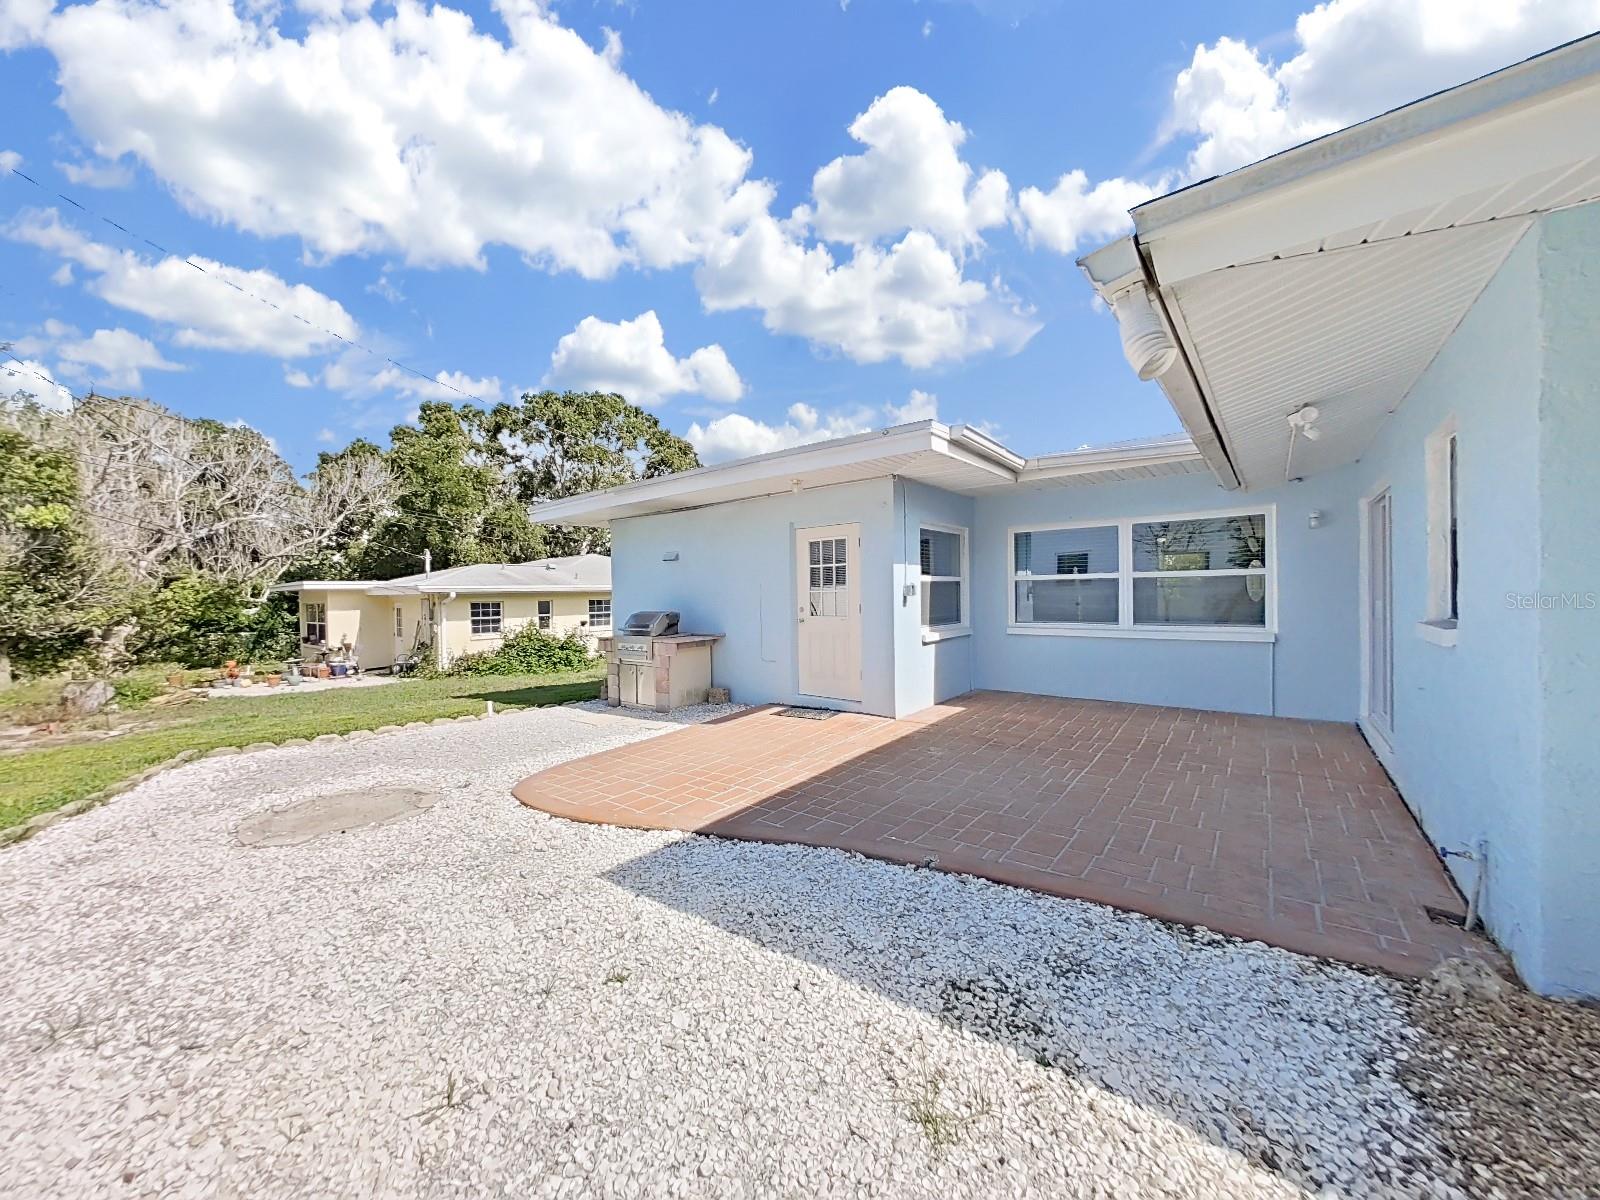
pixel 1279 830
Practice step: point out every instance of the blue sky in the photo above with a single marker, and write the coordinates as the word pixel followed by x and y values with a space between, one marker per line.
pixel 839 215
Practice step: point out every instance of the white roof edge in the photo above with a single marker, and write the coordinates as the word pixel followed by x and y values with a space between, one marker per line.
pixel 1550 71
pixel 1080 462
pixel 323 585
pixel 477 589
pixel 781 464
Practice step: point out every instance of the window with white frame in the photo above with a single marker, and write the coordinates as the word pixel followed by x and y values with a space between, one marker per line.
pixel 1065 576
pixel 600 614
pixel 485 617
pixel 1444 562
pixel 1192 572
pixel 315 619
pixel 544 611
pixel 943 557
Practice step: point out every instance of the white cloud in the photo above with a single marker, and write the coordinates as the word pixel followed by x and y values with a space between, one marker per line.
pixel 327 436
pixel 910 302
pixel 97 174
pixel 631 357
pixel 738 436
pixel 204 311
pixel 1355 59
pixel 62 276
pixel 297 378
pixel 911 177
pixel 927 29
pixel 416 133
pixel 112 357
pixel 354 374
pixel 919 406
pixel 34 378
pixel 10 160
pixel 1072 213
pixel 421 135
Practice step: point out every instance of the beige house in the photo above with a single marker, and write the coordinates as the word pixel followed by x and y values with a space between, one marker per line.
pixel 461 610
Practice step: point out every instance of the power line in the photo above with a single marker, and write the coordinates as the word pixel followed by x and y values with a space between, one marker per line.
pixel 351 342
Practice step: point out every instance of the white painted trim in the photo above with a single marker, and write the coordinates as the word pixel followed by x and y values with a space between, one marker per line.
pixel 1439 633
pixel 932 634
pixel 1363 586
pixel 1126 575
pixel 1175 633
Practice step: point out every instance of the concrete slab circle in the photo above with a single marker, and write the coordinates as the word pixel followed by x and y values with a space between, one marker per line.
pixel 339 812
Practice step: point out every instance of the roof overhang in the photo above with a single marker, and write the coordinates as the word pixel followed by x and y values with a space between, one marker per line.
pixel 1331 275
pixel 323 585
pixel 486 589
pixel 956 458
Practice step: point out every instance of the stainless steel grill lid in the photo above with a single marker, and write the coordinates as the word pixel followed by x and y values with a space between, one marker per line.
pixel 651 623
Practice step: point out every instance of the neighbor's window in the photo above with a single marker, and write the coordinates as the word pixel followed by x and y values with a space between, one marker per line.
pixel 485 615
pixel 544 614
pixel 600 614
pixel 1065 576
pixel 1186 572
pixel 1444 561
pixel 399 621
pixel 944 576
pixel 315 618
pixel 1201 571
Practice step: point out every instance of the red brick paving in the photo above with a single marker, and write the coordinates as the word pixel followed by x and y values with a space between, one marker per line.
pixel 1284 831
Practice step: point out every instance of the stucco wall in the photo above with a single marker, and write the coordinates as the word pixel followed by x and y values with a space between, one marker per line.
pixel 569 612
pixel 735 575
pixel 1311 670
pixel 926 673
pixel 1569 627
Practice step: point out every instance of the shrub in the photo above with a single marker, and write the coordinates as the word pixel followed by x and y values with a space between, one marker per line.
pixel 528 651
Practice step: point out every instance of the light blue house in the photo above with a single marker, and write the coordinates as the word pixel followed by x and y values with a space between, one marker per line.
pixel 1385 349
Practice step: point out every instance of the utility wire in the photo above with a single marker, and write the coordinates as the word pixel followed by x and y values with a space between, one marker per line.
pixel 188 260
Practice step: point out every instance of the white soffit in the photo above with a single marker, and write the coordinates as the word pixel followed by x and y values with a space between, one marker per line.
pixel 1349 330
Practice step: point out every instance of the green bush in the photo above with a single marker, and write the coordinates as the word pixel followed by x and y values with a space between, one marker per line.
pixel 201 622
pixel 139 687
pixel 528 651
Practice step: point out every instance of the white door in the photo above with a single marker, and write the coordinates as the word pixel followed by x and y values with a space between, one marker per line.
pixel 1380 614
pixel 828 642
pixel 402 644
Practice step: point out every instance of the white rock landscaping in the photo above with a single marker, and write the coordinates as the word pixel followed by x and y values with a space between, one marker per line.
pixel 482 1000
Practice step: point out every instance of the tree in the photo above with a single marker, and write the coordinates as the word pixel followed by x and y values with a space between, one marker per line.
pixel 451 498
pixel 556 444
pixel 55 590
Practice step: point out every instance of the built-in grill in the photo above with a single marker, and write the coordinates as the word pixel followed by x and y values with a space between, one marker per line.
pixel 635 641
pixel 649 664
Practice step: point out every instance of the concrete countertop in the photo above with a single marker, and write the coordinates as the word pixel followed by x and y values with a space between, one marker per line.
pixel 689 639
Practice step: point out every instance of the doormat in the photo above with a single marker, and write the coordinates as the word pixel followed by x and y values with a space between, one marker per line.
pixel 809 714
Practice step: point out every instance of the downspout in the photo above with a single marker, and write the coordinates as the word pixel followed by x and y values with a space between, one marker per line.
pixel 1157 298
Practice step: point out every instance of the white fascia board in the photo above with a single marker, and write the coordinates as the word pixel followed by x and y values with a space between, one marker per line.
pixel 324 585
pixel 767 474
pixel 1536 116
pixel 1114 267
pixel 1085 462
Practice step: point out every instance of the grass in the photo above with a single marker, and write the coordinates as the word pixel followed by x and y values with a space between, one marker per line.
pixel 36 781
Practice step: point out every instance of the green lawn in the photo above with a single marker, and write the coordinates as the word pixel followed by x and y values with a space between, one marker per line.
pixel 36 781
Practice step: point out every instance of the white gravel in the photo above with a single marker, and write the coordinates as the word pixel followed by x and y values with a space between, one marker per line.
pixel 482 1000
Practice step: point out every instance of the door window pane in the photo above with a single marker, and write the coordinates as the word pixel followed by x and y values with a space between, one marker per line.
pixel 1201 600
pixel 1091 551
pixel 1201 544
pixel 1067 601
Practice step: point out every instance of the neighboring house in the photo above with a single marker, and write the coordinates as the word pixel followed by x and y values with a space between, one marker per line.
pixel 461 610
pixel 1385 348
